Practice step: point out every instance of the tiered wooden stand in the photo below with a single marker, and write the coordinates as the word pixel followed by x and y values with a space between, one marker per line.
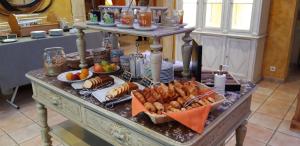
pixel 156 47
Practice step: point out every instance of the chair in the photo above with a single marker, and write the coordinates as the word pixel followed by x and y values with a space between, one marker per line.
pixel 295 125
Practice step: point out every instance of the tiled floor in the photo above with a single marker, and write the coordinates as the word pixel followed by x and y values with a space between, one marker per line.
pixel 273 106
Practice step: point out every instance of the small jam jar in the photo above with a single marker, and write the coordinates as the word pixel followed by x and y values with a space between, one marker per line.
pixel 127 17
pixel 108 17
pixel 145 17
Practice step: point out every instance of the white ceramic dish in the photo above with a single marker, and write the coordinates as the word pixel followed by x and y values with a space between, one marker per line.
pixel 123 26
pixel 104 73
pixel 56 32
pixel 138 27
pixel 62 76
pixel 9 40
pixel 107 25
pixel 38 34
pixel 92 23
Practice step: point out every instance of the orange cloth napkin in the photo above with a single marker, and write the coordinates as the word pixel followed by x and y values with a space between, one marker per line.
pixel 194 118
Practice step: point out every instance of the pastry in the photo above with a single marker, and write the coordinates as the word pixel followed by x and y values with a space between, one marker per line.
pixel 158 106
pixel 150 107
pixel 175 104
pixel 173 97
pixel 139 96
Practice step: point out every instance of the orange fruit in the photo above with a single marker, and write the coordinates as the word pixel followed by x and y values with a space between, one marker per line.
pixel 69 76
pixel 82 76
pixel 85 71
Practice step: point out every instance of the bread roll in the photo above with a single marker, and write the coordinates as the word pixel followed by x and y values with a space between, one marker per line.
pixel 150 107
pixel 158 106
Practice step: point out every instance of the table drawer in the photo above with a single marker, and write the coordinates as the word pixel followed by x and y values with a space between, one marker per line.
pixel 47 97
pixel 116 133
pixel 55 101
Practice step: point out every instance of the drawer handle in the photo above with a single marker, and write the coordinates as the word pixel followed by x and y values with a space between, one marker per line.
pixel 120 137
pixel 55 102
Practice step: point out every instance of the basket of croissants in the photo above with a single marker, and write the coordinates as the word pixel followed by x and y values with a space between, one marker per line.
pixel 163 102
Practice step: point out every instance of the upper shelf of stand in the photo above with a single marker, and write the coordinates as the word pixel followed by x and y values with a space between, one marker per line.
pixel 159 32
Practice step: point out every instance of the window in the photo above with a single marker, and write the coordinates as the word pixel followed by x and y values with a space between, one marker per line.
pixel 190 9
pixel 213 14
pixel 241 14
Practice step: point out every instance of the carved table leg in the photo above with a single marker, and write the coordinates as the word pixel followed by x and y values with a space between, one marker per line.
pixel 114 41
pixel 241 133
pixel 186 50
pixel 156 59
pixel 81 48
pixel 42 114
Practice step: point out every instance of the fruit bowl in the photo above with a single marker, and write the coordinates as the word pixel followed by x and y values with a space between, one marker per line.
pixel 104 68
pixel 104 72
pixel 62 77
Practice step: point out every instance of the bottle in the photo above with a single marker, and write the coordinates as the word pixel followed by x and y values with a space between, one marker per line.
pixel 220 81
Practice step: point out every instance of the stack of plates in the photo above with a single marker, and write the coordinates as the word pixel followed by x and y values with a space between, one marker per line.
pixel 56 32
pixel 38 34
pixel 166 73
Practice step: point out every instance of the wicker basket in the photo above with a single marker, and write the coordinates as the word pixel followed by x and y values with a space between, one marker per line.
pixel 73 60
pixel 158 119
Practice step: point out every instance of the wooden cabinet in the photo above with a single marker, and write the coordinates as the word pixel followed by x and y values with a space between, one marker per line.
pixel 243 55
pixel 239 45
pixel 238 57
pixel 213 52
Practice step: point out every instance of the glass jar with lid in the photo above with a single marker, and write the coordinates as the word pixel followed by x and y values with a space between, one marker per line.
pixel 54 61
pixel 145 17
pixel 127 16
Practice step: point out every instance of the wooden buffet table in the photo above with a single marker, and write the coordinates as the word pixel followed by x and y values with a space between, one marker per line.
pixel 116 126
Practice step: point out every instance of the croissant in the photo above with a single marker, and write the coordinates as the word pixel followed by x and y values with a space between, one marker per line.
pixel 139 96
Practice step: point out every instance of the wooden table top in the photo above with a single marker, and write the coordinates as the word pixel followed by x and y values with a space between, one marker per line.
pixel 159 32
pixel 172 130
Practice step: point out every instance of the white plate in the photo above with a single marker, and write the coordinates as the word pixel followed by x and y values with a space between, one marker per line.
pixel 124 26
pixel 107 25
pixel 9 40
pixel 92 23
pixel 62 76
pixel 138 27
pixel 56 32
pixel 101 94
pixel 104 73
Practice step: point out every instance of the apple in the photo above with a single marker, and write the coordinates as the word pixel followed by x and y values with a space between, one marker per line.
pixel 103 63
pixel 76 76
pixel 98 68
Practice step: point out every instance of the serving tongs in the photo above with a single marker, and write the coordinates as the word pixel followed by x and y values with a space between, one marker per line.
pixel 113 102
pixel 197 98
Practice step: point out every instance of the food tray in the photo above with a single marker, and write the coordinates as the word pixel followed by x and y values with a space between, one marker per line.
pixel 158 119
pixel 100 94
